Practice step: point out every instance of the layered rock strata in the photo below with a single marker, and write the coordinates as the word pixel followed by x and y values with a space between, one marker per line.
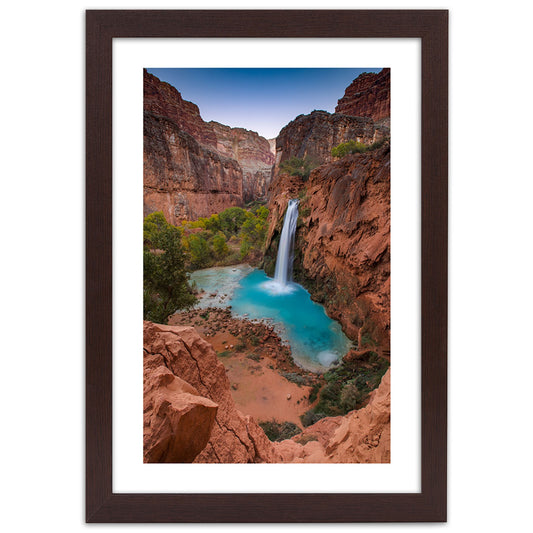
pixel 194 168
pixel 184 178
pixel 367 96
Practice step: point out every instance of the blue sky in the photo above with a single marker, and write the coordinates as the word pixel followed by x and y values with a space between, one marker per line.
pixel 262 100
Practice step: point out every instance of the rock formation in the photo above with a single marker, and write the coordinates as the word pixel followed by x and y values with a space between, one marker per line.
pixel 194 168
pixel 342 252
pixel 177 420
pixel 189 414
pixel 367 96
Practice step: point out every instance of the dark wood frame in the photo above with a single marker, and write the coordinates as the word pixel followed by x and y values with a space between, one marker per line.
pixel 102 505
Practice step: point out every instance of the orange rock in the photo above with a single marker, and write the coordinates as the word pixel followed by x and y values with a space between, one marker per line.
pixel 177 420
pixel 234 438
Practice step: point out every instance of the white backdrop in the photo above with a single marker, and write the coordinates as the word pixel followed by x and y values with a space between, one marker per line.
pixel 42 390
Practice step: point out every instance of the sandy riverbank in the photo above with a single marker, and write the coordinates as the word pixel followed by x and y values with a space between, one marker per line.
pixel 256 361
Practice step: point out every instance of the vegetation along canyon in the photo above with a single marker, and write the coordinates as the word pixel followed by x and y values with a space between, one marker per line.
pixel 266 267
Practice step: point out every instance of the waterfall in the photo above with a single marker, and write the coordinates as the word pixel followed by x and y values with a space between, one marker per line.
pixel 286 245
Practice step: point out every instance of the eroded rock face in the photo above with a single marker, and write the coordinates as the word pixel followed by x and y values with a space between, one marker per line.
pixel 194 168
pixel 343 239
pixel 183 178
pixel 367 96
pixel 253 155
pixel 313 136
pixel 233 437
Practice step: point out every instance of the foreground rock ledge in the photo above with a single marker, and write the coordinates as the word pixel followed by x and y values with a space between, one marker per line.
pixel 190 416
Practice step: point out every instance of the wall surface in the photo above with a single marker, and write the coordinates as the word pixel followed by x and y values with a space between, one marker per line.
pixel 490 355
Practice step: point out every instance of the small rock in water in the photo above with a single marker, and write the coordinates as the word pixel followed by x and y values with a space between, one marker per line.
pixel 231 345
pixel 289 396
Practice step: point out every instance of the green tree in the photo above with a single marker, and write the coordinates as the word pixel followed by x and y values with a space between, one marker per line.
pixel 199 251
pixel 166 287
pixel 153 224
pixel 219 246
pixel 231 220
pixel 245 248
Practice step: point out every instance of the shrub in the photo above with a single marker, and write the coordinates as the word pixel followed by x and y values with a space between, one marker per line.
pixel 293 377
pixel 313 395
pixel 356 147
pixel 278 431
pixel 298 167
pixel 349 385
pixel 240 347
pixel 311 417
pixel 350 396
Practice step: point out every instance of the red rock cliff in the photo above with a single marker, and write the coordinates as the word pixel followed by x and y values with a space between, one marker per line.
pixel 342 250
pixel 183 178
pixel 194 168
pixel 232 437
pixel 367 96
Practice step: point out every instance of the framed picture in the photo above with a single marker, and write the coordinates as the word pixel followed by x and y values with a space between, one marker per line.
pixel 267 190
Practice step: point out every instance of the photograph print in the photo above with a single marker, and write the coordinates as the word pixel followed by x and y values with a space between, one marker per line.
pixel 266 260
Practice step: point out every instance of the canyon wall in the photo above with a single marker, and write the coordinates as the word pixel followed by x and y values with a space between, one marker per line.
pixel 367 96
pixel 189 415
pixel 194 168
pixel 183 178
